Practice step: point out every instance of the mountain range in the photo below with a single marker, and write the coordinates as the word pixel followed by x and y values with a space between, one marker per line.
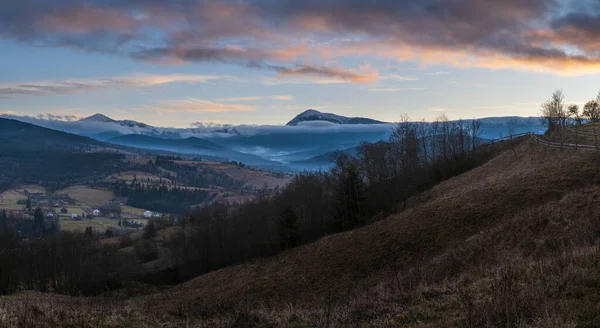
pixel 305 142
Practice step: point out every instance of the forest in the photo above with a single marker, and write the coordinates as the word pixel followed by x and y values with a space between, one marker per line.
pixel 161 198
pixel 198 176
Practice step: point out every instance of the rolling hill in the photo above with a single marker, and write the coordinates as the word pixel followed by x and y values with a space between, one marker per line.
pixel 463 242
pixel 17 134
pixel 510 243
pixel 29 153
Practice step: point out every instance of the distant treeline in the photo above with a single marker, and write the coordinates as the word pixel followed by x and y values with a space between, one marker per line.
pixel 377 182
pixel 199 176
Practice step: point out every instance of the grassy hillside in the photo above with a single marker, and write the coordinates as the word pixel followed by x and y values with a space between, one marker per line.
pixel 511 243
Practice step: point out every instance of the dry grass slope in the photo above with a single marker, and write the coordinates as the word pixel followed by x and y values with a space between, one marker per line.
pixel 514 242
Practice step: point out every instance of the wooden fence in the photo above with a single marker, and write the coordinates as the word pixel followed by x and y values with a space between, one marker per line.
pixel 562 145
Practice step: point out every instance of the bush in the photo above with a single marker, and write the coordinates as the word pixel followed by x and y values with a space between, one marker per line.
pixel 125 241
pixel 146 251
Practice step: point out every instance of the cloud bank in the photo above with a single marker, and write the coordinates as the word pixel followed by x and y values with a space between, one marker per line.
pixel 298 37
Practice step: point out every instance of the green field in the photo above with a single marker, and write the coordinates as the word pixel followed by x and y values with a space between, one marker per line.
pixel 132 210
pixel 9 199
pixel 98 224
pixel 71 210
pixel 89 196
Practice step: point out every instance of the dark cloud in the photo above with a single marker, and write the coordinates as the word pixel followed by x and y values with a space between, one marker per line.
pixel 71 87
pixel 263 33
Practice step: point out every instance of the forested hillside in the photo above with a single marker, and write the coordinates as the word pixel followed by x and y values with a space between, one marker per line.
pixel 30 154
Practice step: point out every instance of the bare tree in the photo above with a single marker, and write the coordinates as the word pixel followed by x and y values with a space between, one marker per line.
pixel 573 112
pixel 475 131
pixel 554 114
pixel 405 140
pixel 423 132
pixel 591 110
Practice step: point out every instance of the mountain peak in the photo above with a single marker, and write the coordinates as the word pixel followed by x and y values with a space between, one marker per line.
pixel 310 112
pixel 314 115
pixel 98 118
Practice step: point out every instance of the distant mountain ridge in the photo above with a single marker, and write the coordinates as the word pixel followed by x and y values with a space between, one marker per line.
pixel 300 143
pixel 314 115
pixel 101 118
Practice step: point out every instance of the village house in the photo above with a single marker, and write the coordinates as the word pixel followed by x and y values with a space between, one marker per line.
pixel 74 217
pixel 96 212
pixel 148 214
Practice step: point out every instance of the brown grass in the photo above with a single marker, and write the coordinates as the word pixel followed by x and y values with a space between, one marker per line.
pixel 9 199
pixel 89 196
pixel 513 243
pixel 253 178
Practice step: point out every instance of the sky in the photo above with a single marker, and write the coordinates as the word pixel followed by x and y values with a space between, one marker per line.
pixel 175 63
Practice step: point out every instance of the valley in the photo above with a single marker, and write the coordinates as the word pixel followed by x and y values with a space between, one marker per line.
pixel 299 164
pixel 189 238
pixel 303 144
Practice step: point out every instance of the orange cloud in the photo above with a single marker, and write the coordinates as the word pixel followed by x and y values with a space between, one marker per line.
pixel 193 105
pixel 335 73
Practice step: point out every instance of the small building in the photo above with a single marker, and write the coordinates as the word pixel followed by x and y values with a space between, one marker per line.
pixel 64 210
pixel 96 212
pixel 148 214
pixel 50 215
pixel 156 215
pixel 74 217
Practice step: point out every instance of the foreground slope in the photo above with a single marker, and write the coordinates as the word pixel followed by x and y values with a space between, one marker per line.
pixel 511 243
pixel 507 187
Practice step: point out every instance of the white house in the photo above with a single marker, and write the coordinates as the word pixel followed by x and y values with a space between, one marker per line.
pixel 148 214
pixel 74 217
pixel 96 212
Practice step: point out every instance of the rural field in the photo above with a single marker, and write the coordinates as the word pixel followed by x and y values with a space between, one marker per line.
pixel 9 199
pixel 71 210
pixel 98 224
pixel 89 196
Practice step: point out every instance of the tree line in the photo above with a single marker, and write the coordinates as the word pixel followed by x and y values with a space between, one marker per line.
pixel 199 176
pixel 161 198
pixel 357 190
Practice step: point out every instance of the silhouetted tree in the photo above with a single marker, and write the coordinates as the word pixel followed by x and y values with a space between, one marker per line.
pixel 591 110
pixel 149 230
pixel 350 194
pixel 554 113
pixel 3 221
pixel 288 229
pixel 38 219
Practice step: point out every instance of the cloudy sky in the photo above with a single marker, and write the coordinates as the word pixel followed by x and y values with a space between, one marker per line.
pixel 170 63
